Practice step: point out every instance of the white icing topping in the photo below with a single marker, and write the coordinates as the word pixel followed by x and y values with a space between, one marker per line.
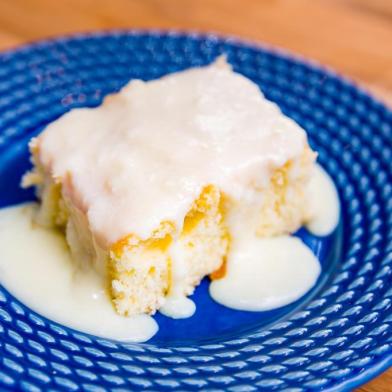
pixel 144 155
pixel 36 267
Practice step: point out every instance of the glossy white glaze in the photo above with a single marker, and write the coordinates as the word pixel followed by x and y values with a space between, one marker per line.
pixel 262 273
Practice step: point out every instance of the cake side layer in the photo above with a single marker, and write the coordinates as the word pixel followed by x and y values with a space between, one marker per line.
pixel 144 272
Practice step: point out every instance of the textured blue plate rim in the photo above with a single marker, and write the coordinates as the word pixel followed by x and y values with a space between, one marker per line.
pixel 199 34
pixel 354 380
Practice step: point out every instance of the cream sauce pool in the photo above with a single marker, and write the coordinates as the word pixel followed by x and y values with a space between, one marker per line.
pixel 36 267
pixel 267 273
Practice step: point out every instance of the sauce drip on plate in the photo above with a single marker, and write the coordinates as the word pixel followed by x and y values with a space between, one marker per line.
pixel 262 273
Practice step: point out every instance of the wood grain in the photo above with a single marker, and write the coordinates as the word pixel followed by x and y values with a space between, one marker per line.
pixel 352 36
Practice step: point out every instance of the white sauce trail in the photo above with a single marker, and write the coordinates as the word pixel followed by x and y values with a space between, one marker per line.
pixel 324 203
pixel 36 267
pixel 177 305
pixel 266 273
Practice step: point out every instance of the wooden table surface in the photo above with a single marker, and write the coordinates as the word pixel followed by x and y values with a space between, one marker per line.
pixel 352 36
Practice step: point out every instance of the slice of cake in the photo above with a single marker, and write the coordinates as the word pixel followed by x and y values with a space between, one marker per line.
pixel 148 187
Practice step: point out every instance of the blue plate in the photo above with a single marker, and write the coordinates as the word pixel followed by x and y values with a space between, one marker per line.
pixel 335 338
